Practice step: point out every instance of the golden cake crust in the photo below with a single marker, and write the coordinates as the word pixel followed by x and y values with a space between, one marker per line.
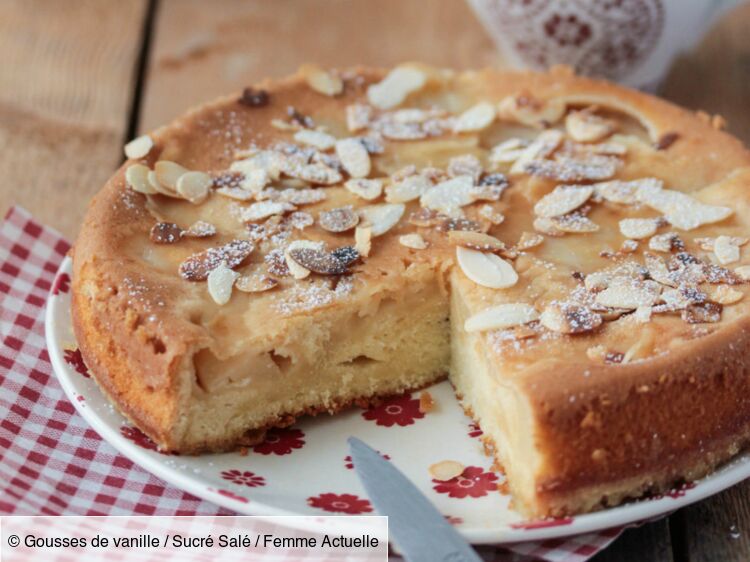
pixel 614 425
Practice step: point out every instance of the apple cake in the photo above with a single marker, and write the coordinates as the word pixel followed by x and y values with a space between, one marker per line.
pixel 570 253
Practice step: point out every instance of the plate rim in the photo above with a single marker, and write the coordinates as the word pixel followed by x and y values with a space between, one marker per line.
pixel 621 516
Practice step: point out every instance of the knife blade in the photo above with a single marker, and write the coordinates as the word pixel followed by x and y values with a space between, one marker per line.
pixel 419 530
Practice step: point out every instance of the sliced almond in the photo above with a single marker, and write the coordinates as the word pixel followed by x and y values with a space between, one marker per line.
pixel 136 177
pixel 139 147
pixel 166 233
pixel 408 189
pixel 665 242
pixel 220 282
pixel 255 180
pixel 338 220
pixel 528 110
pixel 575 223
pixel 321 81
pixel 508 151
pixel 501 317
pixel 466 165
pixel 413 241
pixel 486 269
pixel 476 118
pixel 158 187
pixel 642 314
pixel 200 229
pixel 541 147
pixel 585 126
pixel 354 157
pixel 637 229
pixel 366 189
pixel 363 239
pixel 682 210
pixel 724 294
pixel 317 139
pixel 629 293
pixel 569 318
pixel 256 283
pixel 334 263
pixel 446 470
pixel 707 312
pixel 476 241
pixel 529 240
pixel 726 250
pixel 194 186
pixel 493 216
pixel 314 173
pixel 743 272
pixel 383 217
pixel 562 200
pixel 198 266
pixel 358 117
pixel 625 192
pixel 295 268
pixel 168 173
pixel 264 209
pixel 396 86
pixel 595 168
pixel 449 196
pixel 236 193
pixel 305 196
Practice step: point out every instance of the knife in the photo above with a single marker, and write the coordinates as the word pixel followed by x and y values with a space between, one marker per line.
pixel 419 530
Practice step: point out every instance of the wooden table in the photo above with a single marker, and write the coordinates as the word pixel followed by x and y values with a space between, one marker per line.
pixel 79 77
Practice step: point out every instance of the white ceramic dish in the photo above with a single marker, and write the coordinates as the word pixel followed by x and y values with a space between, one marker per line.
pixel 303 470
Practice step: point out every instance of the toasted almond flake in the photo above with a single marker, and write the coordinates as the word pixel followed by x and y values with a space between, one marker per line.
pixel 724 294
pixel 313 173
pixel 575 223
pixel 297 270
pixel 507 151
pixel 197 266
pixel 628 246
pixel 449 196
pixel 255 180
pixel 637 229
pixel 476 118
pixel 317 139
pixel 383 217
pixel 255 283
pixel 541 147
pixel 628 293
pixel 338 220
pixel 725 250
pixel 743 272
pixel 642 314
pixel 269 161
pixel 408 189
pixel 569 170
pixel 413 241
pixel 220 283
pixel 368 189
pixel 528 110
pixel 585 126
pixel 529 240
pixel 194 186
pixel 363 239
pixel 625 192
pixel 489 213
pixel 446 470
pixel 426 402
pixel 466 165
pixel 562 200
pixel 682 210
pixel 304 196
pixel 486 269
pixel 136 177
pixel 395 87
pixel 200 229
pixel 236 193
pixel 139 147
pixel 476 241
pixel 264 209
pixel 665 242
pixel 569 318
pixel 158 187
pixel 500 317
pixel 354 157
pixel 319 261
pixel 321 81
pixel 358 117
pixel 168 173
pixel 707 312
pixel 166 233
pixel 547 226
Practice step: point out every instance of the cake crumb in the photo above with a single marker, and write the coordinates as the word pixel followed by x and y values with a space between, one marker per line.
pixel 426 402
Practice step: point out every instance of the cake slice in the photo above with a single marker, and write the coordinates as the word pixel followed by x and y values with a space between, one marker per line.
pixel 571 254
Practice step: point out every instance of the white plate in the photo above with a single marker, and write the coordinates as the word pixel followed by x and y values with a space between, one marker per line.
pixel 303 470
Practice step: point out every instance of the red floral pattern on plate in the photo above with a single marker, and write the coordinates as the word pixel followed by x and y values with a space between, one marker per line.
pixel 401 410
pixel 231 495
pixel 350 465
pixel 542 523
pixel 473 482
pixel 244 478
pixel 475 430
pixel 135 435
pixel 62 284
pixel 340 503
pixel 281 441
pixel 74 358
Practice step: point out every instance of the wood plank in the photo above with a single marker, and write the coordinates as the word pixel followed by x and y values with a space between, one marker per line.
pixel 647 542
pixel 242 42
pixel 65 95
pixel 715 76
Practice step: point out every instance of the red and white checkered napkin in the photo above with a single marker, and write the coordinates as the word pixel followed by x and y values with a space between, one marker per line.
pixel 52 463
